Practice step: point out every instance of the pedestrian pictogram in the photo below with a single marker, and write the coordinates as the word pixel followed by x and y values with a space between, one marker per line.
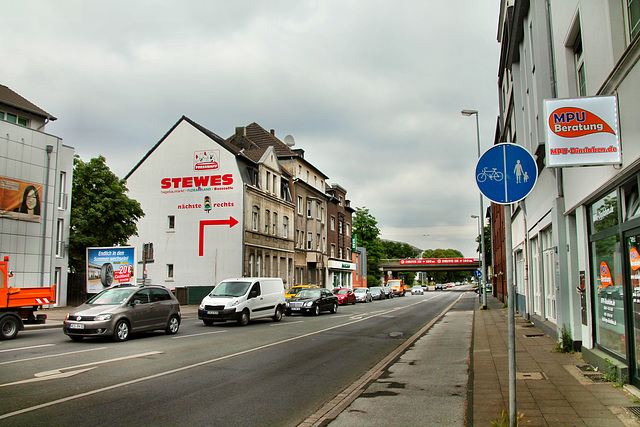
pixel 506 173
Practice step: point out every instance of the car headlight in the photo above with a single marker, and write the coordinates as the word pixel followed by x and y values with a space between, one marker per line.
pixel 234 303
pixel 103 317
pixel 308 303
pixel 201 306
pixel 287 303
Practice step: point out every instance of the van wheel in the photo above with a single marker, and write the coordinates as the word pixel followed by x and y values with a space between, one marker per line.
pixel 208 322
pixel 278 316
pixel 243 319
pixel 334 309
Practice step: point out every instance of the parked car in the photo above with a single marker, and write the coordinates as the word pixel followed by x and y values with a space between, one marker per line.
pixel 121 310
pixel 377 292
pixel 312 301
pixel 345 296
pixel 297 288
pixel 388 293
pixel 439 287
pixel 417 290
pixel 363 294
pixel 243 299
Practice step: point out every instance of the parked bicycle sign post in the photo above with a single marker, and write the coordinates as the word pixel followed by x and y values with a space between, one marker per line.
pixel 505 174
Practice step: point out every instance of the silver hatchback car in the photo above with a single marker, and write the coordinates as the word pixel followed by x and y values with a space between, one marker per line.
pixel 121 310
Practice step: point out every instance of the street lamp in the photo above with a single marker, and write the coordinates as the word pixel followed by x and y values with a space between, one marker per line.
pixel 482 267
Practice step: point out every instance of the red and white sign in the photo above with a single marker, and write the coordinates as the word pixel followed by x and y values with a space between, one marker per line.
pixel 206 160
pixel 582 131
pixel 437 261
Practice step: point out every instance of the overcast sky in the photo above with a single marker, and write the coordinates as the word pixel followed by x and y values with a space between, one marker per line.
pixel 370 89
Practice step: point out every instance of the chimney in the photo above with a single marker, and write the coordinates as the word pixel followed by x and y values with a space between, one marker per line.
pixel 241 131
pixel 273 132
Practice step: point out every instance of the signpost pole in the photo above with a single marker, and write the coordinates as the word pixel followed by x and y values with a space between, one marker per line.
pixel 511 330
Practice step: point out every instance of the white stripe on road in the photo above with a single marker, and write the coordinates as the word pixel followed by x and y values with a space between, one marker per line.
pixel 286 323
pixel 50 355
pixel 185 368
pixel 197 335
pixel 26 348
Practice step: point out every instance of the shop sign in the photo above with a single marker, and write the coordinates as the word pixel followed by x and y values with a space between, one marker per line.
pixel 582 131
pixel 605 275
pixel 634 256
pixel 432 261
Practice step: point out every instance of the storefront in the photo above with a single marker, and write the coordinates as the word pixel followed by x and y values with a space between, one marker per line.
pixel 340 273
pixel 614 222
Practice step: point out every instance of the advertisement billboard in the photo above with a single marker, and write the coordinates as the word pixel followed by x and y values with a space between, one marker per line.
pixel 20 200
pixel 582 131
pixel 109 266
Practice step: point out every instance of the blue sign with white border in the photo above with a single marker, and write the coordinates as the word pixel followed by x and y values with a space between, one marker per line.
pixel 506 173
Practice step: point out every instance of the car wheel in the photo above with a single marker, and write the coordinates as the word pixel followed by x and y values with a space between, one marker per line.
pixel 316 310
pixel 208 322
pixel 243 319
pixel 278 316
pixel 334 309
pixel 75 337
pixel 173 325
pixel 121 331
pixel 9 327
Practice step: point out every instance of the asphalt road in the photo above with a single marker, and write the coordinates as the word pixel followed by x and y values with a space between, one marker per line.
pixel 268 373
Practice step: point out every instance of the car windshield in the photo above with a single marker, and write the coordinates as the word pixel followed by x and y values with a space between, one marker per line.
pixel 230 289
pixel 360 290
pixel 309 293
pixel 294 290
pixel 111 297
pixel 375 290
pixel 342 291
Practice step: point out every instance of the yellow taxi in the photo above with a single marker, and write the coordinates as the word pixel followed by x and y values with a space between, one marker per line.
pixel 297 288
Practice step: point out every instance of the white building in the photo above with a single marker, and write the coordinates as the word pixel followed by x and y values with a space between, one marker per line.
pixel 576 237
pixel 36 171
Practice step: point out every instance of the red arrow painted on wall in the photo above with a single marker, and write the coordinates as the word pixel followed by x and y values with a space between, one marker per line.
pixel 230 222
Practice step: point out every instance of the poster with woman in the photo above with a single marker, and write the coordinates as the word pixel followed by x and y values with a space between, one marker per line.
pixel 20 200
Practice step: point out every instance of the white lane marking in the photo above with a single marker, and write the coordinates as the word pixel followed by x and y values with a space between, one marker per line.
pixel 183 368
pixel 50 377
pixel 197 335
pixel 25 348
pixel 50 355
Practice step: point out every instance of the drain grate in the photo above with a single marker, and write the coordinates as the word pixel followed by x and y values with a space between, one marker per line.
pixel 591 373
pixel 530 376
pixel 533 335
pixel 634 410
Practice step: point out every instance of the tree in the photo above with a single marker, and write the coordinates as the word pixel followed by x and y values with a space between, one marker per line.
pixel 365 227
pixel 487 245
pixel 445 276
pixel 101 213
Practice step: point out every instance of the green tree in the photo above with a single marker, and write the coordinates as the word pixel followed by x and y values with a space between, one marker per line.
pixel 445 276
pixel 365 227
pixel 487 245
pixel 101 213
pixel 398 250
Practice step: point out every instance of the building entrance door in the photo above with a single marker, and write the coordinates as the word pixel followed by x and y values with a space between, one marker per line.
pixel 633 270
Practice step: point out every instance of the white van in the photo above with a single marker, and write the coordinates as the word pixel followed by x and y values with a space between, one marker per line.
pixel 243 299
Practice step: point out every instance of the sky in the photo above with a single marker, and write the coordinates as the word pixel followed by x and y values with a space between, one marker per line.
pixel 371 89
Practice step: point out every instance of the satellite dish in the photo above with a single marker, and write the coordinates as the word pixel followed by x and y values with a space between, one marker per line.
pixel 289 141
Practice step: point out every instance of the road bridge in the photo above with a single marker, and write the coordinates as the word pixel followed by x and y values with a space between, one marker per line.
pixel 430 264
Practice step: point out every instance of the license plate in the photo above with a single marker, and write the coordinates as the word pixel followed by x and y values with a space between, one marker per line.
pixel 76 326
pixel 295 308
pixel 212 312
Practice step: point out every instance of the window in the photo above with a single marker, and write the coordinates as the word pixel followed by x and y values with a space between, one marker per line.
pixel 333 251
pixel 259 266
pixel 348 230
pixel 333 223
pixel 169 271
pixel 340 200
pixel 275 184
pixel 62 197
pixel 309 240
pixel 147 252
pixel 633 11
pixel 59 238
pixel 308 208
pixel 318 243
pixel 251 262
pixel 340 253
pixel 255 218
pixel 318 216
pixel 275 224
pixel 299 205
pixel 581 77
pixel 267 218
pixel 340 227
pixel 285 227
pixel 17 119
pixel 268 182
pixel 171 222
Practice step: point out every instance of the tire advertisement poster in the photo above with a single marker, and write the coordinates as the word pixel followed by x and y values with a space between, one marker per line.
pixel 108 267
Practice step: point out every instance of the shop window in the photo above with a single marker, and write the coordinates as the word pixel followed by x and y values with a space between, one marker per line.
pixel 604 213
pixel 607 285
pixel 631 199
pixel 633 15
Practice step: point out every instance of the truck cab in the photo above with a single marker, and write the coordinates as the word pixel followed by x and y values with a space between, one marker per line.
pixel 397 287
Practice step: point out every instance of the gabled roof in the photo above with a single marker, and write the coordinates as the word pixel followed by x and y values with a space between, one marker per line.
pixel 10 98
pixel 263 138
pixel 219 140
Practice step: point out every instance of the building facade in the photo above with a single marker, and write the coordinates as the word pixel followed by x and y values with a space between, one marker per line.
pixel 340 265
pixel 575 237
pixel 36 174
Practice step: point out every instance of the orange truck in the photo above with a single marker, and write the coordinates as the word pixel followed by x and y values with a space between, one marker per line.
pixel 397 287
pixel 18 305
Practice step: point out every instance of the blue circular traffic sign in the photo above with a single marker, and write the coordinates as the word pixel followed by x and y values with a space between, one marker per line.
pixel 478 273
pixel 506 173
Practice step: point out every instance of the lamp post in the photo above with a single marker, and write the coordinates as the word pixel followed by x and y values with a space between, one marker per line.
pixel 481 217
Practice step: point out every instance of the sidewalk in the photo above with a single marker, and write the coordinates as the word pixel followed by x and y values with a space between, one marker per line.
pixel 550 389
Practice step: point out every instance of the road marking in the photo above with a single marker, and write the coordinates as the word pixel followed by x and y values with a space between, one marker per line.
pixel 197 335
pixel 26 348
pixel 286 323
pixel 51 355
pixel 73 370
pixel 185 368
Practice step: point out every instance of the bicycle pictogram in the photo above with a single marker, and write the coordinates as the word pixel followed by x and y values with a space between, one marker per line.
pixel 491 174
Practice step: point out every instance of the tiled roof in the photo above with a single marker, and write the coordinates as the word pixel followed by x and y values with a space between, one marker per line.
pixel 263 138
pixel 9 97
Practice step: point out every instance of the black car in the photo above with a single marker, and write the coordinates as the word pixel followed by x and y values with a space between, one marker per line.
pixel 312 301
pixel 439 287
